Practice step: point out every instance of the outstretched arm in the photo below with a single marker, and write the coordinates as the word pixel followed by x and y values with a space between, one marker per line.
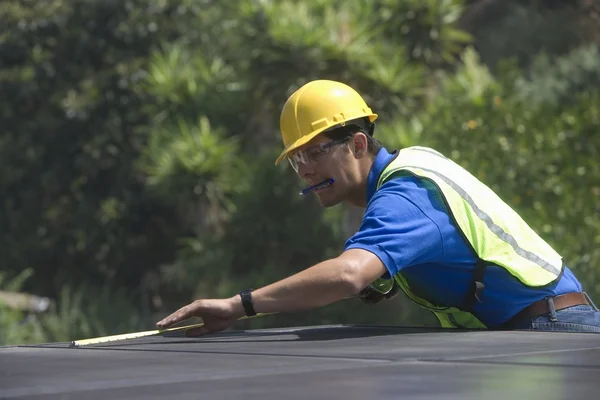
pixel 319 285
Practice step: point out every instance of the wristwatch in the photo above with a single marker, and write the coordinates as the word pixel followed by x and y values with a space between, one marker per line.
pixel 247 303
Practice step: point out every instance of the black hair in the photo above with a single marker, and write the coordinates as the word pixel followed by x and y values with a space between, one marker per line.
pixel 357 125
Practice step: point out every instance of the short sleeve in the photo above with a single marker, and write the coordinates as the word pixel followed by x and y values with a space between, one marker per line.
pixel 396 227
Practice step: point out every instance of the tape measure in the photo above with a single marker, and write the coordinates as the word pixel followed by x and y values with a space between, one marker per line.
pixel 135 335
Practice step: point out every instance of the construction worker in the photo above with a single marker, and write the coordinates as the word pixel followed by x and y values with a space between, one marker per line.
pixel 430 229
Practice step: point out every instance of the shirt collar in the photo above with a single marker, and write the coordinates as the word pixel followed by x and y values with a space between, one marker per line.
pixel 382 160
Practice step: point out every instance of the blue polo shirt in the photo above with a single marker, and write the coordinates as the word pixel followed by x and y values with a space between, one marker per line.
pixel 406 224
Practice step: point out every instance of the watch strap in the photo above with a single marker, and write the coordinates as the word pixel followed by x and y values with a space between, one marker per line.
pixel 247 303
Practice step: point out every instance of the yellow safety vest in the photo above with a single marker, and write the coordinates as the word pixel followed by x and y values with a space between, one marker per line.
pixel 495 232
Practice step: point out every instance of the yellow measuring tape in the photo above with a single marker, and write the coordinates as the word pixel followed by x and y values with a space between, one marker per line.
pixel 125 336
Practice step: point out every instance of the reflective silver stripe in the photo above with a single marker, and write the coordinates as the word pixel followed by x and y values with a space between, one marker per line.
pixel 497 230
pixel 430 151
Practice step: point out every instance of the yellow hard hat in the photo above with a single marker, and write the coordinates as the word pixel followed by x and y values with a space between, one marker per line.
pixel 315 107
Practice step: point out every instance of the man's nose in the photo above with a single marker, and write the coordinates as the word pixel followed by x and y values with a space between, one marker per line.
pixel 305 170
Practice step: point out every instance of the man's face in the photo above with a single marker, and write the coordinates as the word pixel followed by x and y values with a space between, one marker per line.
pixel 334 162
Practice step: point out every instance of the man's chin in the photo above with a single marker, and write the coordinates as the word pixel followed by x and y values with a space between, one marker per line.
pixel 328 202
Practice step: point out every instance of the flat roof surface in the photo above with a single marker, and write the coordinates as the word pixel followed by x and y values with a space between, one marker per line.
pixel 321 362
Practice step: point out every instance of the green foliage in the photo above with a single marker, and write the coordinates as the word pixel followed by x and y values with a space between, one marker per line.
pixel 15 326
pixel 75 207
pixel 185 163
pixel 77 314
pixel 521 29
pixel 90 312
pixel 427 28
pixel 560 81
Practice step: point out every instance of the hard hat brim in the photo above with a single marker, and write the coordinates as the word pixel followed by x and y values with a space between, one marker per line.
pixel 305 139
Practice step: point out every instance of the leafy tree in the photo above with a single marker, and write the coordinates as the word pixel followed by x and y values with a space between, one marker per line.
pixel 75 208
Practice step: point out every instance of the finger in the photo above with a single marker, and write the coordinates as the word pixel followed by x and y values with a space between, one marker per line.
pixel 173 319
pixel 179 315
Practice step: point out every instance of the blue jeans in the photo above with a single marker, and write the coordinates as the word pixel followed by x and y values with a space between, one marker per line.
pixel 572 319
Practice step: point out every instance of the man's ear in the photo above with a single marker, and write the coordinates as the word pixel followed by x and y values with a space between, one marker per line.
pixel 359 142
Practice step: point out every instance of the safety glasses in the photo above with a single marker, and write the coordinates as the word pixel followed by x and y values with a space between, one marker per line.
pixel 312 154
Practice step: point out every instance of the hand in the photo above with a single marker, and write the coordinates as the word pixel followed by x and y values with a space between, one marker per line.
pixel 371 296
pixel 217 314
